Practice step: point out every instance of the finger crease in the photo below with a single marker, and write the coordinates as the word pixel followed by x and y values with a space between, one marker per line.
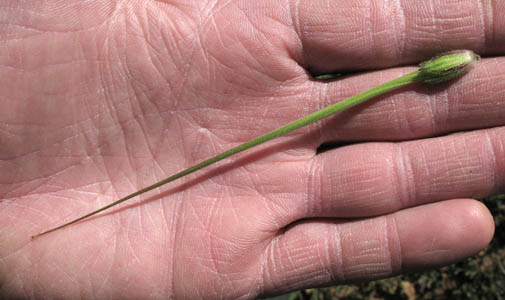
pixel 402 171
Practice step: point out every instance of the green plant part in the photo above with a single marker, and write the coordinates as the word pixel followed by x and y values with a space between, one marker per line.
pixel 438 69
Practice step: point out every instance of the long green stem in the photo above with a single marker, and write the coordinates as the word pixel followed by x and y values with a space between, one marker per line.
pixel 438 69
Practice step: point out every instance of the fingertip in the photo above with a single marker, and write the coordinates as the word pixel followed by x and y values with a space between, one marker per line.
pixel 481 219
pixel 442 233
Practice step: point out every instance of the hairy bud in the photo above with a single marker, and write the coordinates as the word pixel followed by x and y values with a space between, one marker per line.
pixel 447 66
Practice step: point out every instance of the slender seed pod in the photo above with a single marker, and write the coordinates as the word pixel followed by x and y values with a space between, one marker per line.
pixel 438 69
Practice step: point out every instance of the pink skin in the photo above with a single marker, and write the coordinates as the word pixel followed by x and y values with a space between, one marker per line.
pixel 101 98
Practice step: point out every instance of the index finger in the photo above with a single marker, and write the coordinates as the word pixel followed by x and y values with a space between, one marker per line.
pixel 348 35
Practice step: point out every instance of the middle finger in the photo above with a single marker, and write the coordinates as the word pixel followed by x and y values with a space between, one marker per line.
pixel 475 100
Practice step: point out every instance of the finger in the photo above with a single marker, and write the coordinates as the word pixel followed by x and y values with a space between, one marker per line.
pixel 358 35
pixel 377 178
pixel 475 100
pixel 314 253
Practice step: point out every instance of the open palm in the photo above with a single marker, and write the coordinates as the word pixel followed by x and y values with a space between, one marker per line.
pixel 101 98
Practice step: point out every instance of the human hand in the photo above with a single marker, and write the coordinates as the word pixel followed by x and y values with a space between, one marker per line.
pixel 99 100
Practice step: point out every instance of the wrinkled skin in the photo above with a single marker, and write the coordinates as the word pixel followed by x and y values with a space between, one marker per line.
pixel 100 98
